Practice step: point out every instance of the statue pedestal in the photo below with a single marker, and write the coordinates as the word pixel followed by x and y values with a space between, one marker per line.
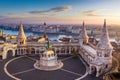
pixel 48 68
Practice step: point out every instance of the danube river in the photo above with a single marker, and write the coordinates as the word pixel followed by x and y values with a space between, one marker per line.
pixel 51 36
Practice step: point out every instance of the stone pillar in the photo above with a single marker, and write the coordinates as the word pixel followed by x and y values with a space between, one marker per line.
pixel 69 50
pixel 97 72
pixel 90 72
pixel 17 51
pixel 66 50
pixel 25 51
pixel 30 51
pixel 20 51
pixel 35 51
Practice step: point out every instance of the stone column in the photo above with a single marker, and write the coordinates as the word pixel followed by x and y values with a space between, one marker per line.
pixel 90 72
pixel 25 50
pixel 97 72
pixel 30 51
pixel 20 51
pixel 69 50
pixel 35 50
pixel 66 50
pixel 17 51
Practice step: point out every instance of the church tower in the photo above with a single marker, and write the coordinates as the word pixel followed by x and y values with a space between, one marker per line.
pixel 83 37
pixel 21 38
pixel 103 59
pixel 104 47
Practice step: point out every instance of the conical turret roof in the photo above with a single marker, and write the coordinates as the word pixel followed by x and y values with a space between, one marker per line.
pixel 104 42
pixel 83 32
pixel 21 34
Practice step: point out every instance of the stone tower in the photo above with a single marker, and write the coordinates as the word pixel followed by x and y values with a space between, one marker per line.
pixel 21 38
pixel 104 47
pixel 103 59
pixel 83 37
pixel 1 32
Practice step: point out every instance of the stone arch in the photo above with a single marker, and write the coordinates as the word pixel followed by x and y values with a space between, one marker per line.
pixel 28 52
pixel 41 49
pixel 16 52
pixel 8 53
pixel 77 49
pixel 74 51
pixel 93 70
pixel 57 50
pixel 62 50
pixel 22 51
pixel 32 50
pixel 67 50
pixel 37 51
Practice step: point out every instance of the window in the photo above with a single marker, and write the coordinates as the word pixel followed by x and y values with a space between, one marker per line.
pixel 106 66
pixel 99 54
pixel 106 55
pixel 48 55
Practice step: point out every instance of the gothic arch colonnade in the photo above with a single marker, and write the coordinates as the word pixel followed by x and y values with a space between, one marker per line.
pixel 8 52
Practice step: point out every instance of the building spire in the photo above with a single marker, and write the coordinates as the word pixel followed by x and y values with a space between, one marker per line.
pixel 84 31
pixel 21 35
pixel 104 42
pixel 105 28
pixel 83 34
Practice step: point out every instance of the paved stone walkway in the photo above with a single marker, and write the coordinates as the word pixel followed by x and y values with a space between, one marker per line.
pixel 21 68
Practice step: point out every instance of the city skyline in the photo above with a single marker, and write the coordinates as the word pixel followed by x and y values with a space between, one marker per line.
pixel 60 11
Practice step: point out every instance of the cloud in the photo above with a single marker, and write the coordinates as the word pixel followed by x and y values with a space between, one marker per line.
pixel 91 13
pixel 96 13
pixel 56 9
pixel 3 16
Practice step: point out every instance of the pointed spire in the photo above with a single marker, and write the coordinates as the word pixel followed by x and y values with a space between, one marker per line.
pixel 21 34
pixel 105 30
pixel 104 22
pixel 104 42
pixel 83 24
pixel 85 36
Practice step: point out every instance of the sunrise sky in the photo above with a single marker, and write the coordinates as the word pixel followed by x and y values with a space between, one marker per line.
pixel 60 11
